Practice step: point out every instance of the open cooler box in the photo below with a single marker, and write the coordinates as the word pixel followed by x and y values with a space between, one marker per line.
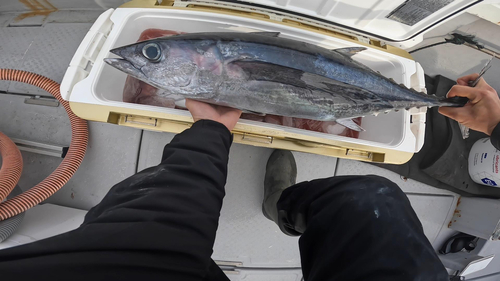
pixel 95 89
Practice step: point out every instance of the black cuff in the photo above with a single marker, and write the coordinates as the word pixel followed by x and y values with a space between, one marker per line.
pixel 213 125
pixel 495 137
pixel 210 124
pixel 206 134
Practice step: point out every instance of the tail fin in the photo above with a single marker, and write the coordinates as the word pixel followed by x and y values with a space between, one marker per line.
pixel 454 101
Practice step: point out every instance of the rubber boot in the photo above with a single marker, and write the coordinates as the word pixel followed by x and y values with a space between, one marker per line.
pixel 281 173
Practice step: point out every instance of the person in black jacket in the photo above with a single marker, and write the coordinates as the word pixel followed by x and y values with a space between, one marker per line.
pixel 160 223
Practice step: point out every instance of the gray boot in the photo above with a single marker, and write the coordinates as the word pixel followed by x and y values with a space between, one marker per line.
pixel 281 173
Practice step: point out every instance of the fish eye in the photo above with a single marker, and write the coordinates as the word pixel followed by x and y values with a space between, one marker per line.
pixel 152 52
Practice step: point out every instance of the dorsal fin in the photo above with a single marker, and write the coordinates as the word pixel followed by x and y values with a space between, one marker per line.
pixel 267 33
pixel 349 51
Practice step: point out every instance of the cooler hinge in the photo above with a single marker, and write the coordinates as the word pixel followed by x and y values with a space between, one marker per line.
pixel 253 138
pixel 343 152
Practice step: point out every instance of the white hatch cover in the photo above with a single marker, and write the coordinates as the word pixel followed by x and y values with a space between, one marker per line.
pixel 389 20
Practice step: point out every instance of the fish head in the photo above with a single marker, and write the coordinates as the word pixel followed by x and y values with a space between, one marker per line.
pixel 162 63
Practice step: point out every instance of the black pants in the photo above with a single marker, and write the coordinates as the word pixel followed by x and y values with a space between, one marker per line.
pixel 160 224
pixel 358 228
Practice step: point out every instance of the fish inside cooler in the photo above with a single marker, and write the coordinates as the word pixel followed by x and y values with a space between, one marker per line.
pixel 139 92
pixel 104 90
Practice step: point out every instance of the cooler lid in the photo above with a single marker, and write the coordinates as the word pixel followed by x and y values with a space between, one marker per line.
pixel 390 20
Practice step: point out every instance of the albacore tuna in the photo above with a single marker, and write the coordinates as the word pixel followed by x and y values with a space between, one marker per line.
pixel 262 72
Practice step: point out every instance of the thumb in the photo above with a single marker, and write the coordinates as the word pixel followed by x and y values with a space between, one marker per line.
pixel 459 114
pixel 464 81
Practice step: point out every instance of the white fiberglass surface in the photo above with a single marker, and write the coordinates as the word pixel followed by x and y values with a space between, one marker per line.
pixel 374 16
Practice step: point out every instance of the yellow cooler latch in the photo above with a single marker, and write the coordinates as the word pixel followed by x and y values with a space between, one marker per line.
pixel 140 120
pixel 149 123
pixel 358 153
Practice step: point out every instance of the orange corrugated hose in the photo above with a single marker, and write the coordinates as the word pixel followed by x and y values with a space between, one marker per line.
pixel 12 166
pixel 69 165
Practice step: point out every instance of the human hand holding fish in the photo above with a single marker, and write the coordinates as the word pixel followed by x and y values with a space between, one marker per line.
pixel 482 112
pixel 203 111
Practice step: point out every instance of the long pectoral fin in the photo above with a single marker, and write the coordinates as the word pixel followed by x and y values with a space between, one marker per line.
pixel 350 124
pixel 253 112
pixel 267 33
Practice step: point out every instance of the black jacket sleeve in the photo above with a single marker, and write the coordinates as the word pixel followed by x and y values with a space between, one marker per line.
pixel 159 224
pixel 495 137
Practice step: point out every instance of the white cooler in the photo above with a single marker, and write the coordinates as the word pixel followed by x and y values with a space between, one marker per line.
pixel 95 89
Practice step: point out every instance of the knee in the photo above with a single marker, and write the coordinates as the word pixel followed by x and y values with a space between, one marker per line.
pixel 365 185
pixel 365 193
pixel 380 185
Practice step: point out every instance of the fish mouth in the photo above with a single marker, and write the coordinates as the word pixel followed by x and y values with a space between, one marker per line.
pixel 125 65
pixel 121 64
